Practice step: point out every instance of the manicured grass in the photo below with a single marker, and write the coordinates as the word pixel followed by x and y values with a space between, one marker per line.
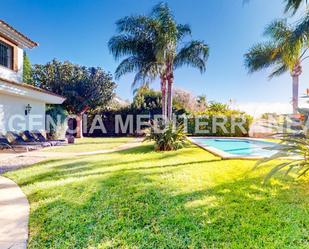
pixel 143 199
pixel 91 144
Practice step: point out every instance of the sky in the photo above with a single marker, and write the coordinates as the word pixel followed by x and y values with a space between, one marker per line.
pixel 79 30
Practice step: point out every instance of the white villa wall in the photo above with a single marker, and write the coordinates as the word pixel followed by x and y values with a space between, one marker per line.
pixel 12 110
pixel 11 75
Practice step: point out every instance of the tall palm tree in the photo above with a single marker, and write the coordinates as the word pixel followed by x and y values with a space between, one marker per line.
pixel 137 40
pixel 169 39
pixel 152 44
pixel 282 52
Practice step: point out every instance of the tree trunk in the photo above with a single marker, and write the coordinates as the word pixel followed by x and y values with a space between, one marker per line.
pixel 295 93
pixel 79 126
pixel 170 81
pixel 163 90
pixel 297 70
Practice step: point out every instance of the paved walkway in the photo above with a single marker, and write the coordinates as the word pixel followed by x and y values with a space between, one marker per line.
pixel 14 206
pixel 14 215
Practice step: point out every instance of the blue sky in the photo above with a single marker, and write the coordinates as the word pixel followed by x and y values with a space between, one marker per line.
pixel 78 31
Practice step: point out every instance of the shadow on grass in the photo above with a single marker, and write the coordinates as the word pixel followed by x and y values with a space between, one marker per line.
pixel 98 142
pixel 131 208
pixel 65 168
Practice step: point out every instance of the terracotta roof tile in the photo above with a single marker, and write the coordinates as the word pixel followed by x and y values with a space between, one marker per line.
pixel 34 44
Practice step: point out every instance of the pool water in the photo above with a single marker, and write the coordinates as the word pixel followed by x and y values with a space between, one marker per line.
pixel 242 147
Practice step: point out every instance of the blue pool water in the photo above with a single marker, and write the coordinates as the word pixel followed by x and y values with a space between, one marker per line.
pixel 242 147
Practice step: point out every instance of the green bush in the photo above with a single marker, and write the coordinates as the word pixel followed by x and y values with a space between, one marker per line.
pixel 168 138
pixel 219 113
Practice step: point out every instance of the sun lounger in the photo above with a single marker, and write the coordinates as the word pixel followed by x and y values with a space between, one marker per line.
pixel 5 144
pixel 38 135
pixel 27 136
pixel 16 139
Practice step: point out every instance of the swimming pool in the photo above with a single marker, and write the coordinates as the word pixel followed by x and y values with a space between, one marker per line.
pixel 236 147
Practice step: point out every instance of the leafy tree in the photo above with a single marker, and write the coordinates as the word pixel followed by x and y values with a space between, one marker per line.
pixel 281 52
pixel 82 86
pixel 201 102
pixel 27 69
pixel 147 100
pixel 152 44
pixel 185 102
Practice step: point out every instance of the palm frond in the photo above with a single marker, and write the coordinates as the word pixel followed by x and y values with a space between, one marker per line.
pixel 293 5
pixel 135 25
pixel 261 56
pixel 183 30
pixel 301 31
pixel 298 147
pixel 127 45
pixel 194 54
pixel 162 12
pixel 278 30
pixel 279 70
pixel 128 65
pixel 148 72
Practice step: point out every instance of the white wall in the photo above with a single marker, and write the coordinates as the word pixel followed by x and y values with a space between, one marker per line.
pixel 11 75
pixel 12 113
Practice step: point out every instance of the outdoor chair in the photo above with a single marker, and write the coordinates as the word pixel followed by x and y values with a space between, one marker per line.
pixel 5 144
pixel 39 137
pixel 27 136
pixel 16 139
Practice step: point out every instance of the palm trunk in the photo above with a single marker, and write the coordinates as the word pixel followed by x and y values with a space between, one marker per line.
pixel 170 81
pixel 163 90
pixel 295 93
pixel 297 70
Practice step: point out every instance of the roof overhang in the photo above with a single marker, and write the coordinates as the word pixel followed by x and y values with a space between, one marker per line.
pixel 14 35
pixel 27 91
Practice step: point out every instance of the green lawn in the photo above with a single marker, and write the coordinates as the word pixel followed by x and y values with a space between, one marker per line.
pixel 143 199
pixel 91 144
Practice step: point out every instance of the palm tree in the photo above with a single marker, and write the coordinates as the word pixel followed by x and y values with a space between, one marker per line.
pixel 136 39
pixel 170 37
pixel 282 52
pixel 152 44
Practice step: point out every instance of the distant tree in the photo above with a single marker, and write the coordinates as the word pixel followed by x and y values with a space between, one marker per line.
pixel 218 107
pixel 147 100
pixel 27 70
pixel 183 100
pixel 201 102
pixel 82 86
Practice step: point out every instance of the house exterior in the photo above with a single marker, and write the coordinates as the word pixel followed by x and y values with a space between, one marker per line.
pixel 22 106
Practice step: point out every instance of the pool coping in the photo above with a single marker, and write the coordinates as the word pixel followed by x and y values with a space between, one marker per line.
pixel 225 155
